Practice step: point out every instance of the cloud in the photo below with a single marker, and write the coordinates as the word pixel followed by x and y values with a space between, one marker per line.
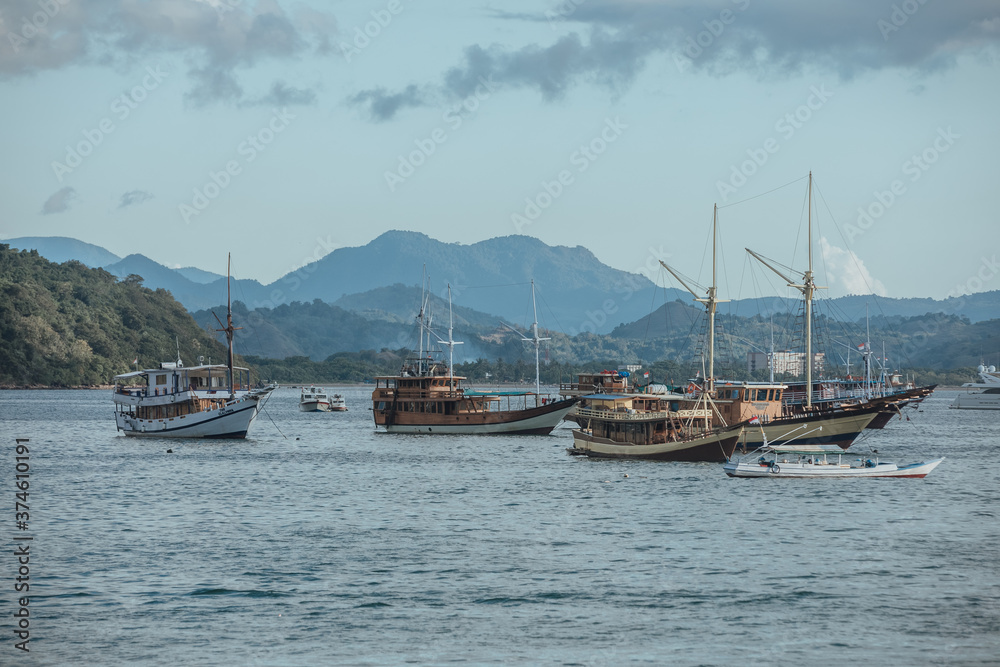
pixel 611 41
pixel 133 197
pixel 382 105
pixel 283 95
pixel 846 270
pixel 59 201
pixel 218 38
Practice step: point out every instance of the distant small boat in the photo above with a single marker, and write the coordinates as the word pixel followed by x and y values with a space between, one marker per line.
pixel 337 403
pixel 817 461
pixel 314 399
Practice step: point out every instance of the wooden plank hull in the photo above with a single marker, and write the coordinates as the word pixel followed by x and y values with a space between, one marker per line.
pixel 831 428
pixel 531 421
pixel 713 447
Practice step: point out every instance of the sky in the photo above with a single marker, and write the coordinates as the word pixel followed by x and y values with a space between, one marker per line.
pixel 280 131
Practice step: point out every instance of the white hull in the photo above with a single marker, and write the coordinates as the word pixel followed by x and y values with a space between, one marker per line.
pixel 231 421
pixel 976 402
pixel 541 422
pixel 804 469
pixel 314 406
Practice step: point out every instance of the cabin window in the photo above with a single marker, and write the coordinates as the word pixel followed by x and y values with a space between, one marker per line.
pixel 770 394
pixel 777 394
pixel 746 394
pixel 761 394
pixel 161 379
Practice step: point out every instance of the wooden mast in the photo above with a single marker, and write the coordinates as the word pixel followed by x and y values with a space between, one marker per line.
pixel 808 287
pixel 229 328
pixel 710 300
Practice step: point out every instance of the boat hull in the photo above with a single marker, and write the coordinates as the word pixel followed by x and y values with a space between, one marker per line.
pixel 532 421
pixel 314 406
pixel 231 421
pixel 799 469
pixel 713 448
pixel 976 402
pixel 834 428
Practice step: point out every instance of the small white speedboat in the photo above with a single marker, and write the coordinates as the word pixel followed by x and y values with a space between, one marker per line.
pixel 821 462
pixel 314 399
pixel 337 403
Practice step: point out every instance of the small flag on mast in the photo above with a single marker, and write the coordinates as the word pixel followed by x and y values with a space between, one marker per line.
pixel 646 374
pixel 136 360
pixel 754 420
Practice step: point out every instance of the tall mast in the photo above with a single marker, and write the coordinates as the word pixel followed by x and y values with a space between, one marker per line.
pixel 807 291
pixel 228 327
pixel 420 320
pixel 451 343
pixel 535 337
pixel 807 288
pixel 710 301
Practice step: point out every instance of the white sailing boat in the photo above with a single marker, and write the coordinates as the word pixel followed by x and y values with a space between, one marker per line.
pixel 178 401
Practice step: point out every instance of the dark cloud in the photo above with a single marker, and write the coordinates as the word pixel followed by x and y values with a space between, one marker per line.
pixel 133 197
pixel 59 201
pixel 612 40
pixel 217 37
pixel 382 105
pixel 283 95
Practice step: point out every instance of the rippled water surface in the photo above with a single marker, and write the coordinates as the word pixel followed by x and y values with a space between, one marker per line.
pixel 318 541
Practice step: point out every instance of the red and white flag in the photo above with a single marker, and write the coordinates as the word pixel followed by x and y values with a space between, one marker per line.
pixel 754 420
pixel 136 360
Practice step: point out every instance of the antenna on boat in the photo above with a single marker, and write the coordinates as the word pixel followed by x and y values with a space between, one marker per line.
pixel 807 288
pixel 177 342
pixel 228 327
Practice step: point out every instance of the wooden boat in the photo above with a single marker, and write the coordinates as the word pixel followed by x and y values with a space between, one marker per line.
pixel 640 427
pixel 177 401
pixel 426 397
pixel 799 461
pixel 314 399
pixel 740 402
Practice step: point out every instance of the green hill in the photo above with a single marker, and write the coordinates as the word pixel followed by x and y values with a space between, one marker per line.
pixel 68 325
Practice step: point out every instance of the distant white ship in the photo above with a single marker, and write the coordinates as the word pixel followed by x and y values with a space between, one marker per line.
pixel 986 399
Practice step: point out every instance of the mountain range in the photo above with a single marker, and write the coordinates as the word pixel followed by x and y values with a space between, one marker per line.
pixel 490 281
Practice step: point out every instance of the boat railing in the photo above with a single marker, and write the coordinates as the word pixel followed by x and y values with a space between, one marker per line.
pixel 641 415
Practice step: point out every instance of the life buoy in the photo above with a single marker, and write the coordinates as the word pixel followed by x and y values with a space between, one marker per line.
pixel 692 388
pixel 775 469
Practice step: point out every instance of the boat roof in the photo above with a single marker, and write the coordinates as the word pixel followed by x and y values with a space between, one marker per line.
pixel 609 397
pixel 188 369
pixel 805 449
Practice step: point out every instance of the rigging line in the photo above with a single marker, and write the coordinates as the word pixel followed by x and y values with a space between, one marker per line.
pixel 765 193
pixel 551 312
pixel 264 410
pixel 490 286
pixel 857 266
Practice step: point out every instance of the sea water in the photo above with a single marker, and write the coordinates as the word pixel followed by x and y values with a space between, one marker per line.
pixel 319 541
